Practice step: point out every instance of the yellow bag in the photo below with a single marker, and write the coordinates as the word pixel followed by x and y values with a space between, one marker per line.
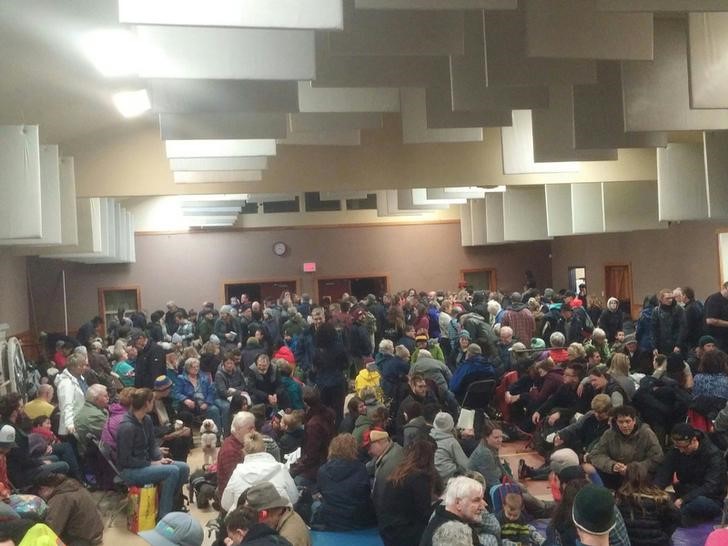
pixel 41 535
pixel 143 506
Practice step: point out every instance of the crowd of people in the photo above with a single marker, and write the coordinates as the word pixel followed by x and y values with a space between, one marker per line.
pixel 359 414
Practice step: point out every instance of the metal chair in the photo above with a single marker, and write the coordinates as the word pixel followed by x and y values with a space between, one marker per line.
pixel 120 489
pixel 479 394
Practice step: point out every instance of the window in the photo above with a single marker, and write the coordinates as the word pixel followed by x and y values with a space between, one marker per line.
pixel 370 203
pixel 314 203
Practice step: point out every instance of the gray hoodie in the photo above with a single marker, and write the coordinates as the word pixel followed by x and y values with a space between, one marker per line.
pixel 450 458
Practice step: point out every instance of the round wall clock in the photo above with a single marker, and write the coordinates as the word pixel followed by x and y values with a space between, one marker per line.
pixel 280 248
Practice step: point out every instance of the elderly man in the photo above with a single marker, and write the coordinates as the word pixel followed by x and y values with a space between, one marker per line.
pixel 463 502
pixel 92 417
pixel 520 319
pixel 385 456
pixel 41 404
pixel 231 452
pixel 150 362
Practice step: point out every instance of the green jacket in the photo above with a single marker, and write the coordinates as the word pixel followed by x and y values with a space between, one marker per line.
pixel 640 447
pixel 89 420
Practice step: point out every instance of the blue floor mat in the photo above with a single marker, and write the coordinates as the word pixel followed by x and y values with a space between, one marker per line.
pixel 365 537
pixel 692 536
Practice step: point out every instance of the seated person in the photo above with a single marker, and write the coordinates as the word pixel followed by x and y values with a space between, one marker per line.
pixel 122 368
pixel 627 441
pixel 92 417
pixel 173 431
pixel 513 524
pixel 463 502
pixel 242 525
pixel 258 465
pixel 139 459
pixel 700 469
pixel 583 434
pixel 292 428
pixel 416 390
pixel 559 408
pixel 394 365
pixel 274 511
pixel 343 481
pixel 264 383
pixel 475 367
pixel 72 512
pixel 117 410
pixel 292 388
pixel 231 452
pixel 195 396
pixel 41 404
pixel 229 381
pixel 450 459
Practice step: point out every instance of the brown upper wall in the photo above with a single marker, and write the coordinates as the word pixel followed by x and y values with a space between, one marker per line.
pixel 684 254
pixel 192 268
pixel 14 307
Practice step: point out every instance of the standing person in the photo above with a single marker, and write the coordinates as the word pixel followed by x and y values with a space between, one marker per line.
pixel 669 327
pixel 648 512
pixel 138 457
pixel 408 494
pixel 700 470
pixel 611 320
pixel 330 362
pixel 150 362
pixel 319 429
pixel 716 316
pixel 694 317
pixel 71 395
pixel 520 319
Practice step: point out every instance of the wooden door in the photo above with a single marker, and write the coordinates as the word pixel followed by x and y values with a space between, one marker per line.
pixel 618 284
pixel 479 279
pixel 333 288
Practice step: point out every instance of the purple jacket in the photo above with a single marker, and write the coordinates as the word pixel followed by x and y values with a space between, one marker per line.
pixel 108 434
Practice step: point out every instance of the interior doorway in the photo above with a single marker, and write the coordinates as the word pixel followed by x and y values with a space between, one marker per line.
pixel 618 284
pixel 478 279
pixel 259 290
pixel 358 287
pixel 577 277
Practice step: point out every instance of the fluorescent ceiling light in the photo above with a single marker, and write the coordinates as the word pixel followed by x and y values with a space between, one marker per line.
pixel 131 104
pixel 113 52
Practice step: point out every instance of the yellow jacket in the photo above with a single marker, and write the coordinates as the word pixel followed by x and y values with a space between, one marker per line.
pixel 365 379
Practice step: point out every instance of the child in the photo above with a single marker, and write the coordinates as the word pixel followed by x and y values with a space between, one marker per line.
pixel 514 529
pixel 369 376
pixel 292 427
pixel 122 368
pixel 618 344
pixel 292 388
pixel 41 438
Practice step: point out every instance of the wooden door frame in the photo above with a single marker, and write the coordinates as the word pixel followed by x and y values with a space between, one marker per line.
pixel 721 273
pixel 493 276
pixel 293 278
pixel 316 280
pixel 101 290
pixel 632 304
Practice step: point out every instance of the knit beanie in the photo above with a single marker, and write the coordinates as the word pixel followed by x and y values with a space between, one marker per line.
pixel 443 422
pixel 593 510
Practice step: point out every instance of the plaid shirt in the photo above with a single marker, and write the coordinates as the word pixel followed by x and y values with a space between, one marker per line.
pixel 230 454
pixel 522 323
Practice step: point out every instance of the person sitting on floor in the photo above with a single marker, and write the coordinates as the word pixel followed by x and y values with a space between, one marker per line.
pixel 242 526
pixel 514 527
pixel 275 512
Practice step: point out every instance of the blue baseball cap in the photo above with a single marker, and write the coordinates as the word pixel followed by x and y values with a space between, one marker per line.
pixel 175 529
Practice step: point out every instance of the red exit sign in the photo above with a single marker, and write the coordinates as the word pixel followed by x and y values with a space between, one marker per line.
pixel 309 267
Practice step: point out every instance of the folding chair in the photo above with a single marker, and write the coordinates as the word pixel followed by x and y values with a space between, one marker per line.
pixel 479 394
pixel 120 488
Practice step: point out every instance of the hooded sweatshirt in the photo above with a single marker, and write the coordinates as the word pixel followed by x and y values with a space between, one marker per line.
pixel 72 513
pixel 450 459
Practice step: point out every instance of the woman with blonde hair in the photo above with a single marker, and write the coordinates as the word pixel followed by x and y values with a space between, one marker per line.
pixel 619 371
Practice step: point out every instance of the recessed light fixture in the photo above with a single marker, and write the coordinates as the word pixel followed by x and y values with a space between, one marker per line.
pixel 114 52
pixel 131 104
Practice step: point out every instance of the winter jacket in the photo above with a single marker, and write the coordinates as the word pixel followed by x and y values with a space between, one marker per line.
pixel 714 385
pixel 73 515
pixel 643 330
pixel 383 468
pixel 373 379
pixel 550 383
pixel 291 440
pixel 661 402
pixel 611 322
pixel 414 429
pixel 108 434
pixel 474 368
pixel 249 353
pixel 440 517
pixel 225 381
pixel 90 419
pixel 294 393
pixel 450 458
pixel 669 328
pixel 394 370
pixel 136 447
pixel 150 364
pixel 435 350
pixel 255 468
pixel 486 461
pixel 222 328
pixel 702 473
pixel 406 510
pixel 360 342
pixel 205 329
pixel 648 522
pixel 261 386
pixel 70 400
pixel 185 390
pixel 346 503
pixel 319 430
pixel 434 369
pixel 694 322
pixel 582 434
pixel 261 534
pixel 640 447
pixel 329 365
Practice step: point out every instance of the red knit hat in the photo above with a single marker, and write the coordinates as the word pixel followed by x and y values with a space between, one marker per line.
pixel 286 354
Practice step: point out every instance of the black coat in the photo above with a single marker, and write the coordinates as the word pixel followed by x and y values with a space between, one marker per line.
pixel 262 535
pixel 611 323
pixel 442 516
pixel 649 523
pixel 346 503
pixel 150 364
pixel 669 328
pixel 405 510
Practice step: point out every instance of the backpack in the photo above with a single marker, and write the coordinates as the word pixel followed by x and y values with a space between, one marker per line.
pixel 203 485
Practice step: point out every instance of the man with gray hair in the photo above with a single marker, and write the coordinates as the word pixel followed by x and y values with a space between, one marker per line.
pixel 462 503
pixel 92 417
pixel 231 451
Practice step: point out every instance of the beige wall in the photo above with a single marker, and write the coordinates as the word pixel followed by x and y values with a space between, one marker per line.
pixel 192 268
pixel 684 254
pixel 14 307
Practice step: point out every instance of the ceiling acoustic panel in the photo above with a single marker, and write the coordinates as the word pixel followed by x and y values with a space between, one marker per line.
pixel 405 201
pixel 558 210
pixel 524 213
pixel 656 94
pixel 20 182
pixel 333 121
pixel 89 230
pixel 193 177
pixel 507 61
pixel 227 53
pixel 50 197
pixel 69 217
pixel 219 125
pixel 379 71
pixel 716 172
pixel 435 4
pixel 575 29
pixel 681 187
pixel 306 14
pixel 180 96
pixel 587 208
pixel 399 33
pixel 631 205
pixel 414 122
pixel 469 88
pixel 254 163
pixel 660 6
pixel 466 228
pixel 441 116
pixel 220 148
pixel 708 35
pixel 494 218
pixel 599 114
pixel 553 131
pixel 517 148
pixel 478 224
pixel 343 100
pixel 334 137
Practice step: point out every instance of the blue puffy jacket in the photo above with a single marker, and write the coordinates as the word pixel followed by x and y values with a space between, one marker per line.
pixel 346 492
